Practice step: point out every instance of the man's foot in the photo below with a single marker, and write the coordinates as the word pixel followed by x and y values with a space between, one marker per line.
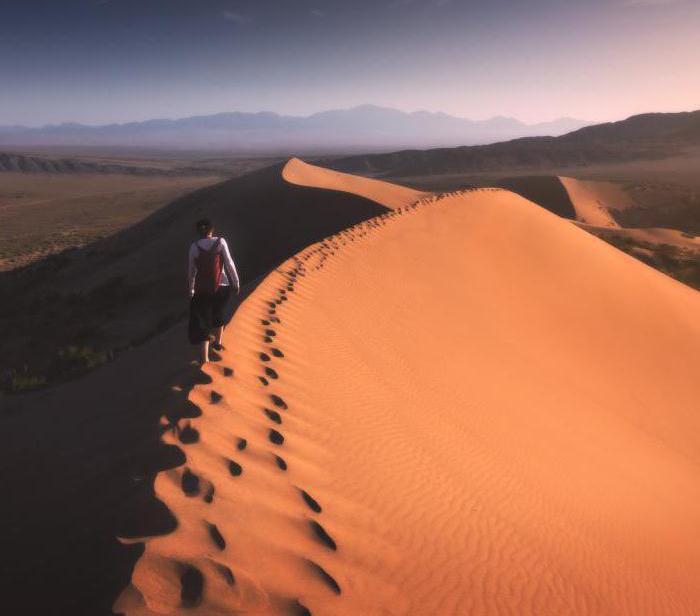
pixel 217 346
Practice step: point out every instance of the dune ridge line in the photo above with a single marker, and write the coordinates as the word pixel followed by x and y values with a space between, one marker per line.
pixel 177 577
pixel 388 441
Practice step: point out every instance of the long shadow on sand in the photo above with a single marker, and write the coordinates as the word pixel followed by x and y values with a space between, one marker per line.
pixel 78 464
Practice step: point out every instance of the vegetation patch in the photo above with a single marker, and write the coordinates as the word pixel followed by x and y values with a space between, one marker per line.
pixel 683 264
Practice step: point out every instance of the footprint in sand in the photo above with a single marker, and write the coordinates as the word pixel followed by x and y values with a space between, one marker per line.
pixel 241 444
pixel 273 415
pixel 228 371
pixel 281 464
pixel 278 402
pixel 325 577
pixel 276 352
pixel 276 437
pixel 225 573
pixel 190 483
pixel 191 586
pixel 322 535
pixel 310 501
pixel 299 609
pixel 216 536
pixel 234 468
pixel 271 373
pixel 264 357
pixel 216 397
pixel 188 434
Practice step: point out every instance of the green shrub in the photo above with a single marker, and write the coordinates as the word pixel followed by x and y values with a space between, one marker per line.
pixel 77 359
pixel 18 382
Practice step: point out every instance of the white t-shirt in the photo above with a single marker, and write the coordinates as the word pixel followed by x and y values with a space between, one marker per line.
pixel 228 267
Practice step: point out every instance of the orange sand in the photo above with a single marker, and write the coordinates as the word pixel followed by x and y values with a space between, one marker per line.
pixel 390 195
pixel 485 410
pixel 594 200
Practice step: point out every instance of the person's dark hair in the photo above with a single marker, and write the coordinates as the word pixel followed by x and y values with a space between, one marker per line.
pixel 204 227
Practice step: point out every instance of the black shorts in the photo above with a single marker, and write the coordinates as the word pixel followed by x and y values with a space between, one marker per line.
pixel 207 312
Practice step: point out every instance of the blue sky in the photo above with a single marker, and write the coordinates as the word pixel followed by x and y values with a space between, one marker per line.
pixel 100 61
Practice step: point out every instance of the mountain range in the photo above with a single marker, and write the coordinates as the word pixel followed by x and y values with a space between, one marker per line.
pixel 363 128
pixel 650 136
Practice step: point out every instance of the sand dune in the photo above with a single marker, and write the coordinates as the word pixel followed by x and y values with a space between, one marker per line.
pixel 586 201
pixel 389 195
pixel 136 277
pixel 79 458
pixel 467 406
pixel 594 200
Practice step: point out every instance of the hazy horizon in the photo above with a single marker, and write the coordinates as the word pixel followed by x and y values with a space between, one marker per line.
pixel 115 61
pixel 306 115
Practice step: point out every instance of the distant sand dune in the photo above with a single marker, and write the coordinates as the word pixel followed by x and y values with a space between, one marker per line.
pixel 465 406
pixel 389 195
pixel 594 200
pixel 586 201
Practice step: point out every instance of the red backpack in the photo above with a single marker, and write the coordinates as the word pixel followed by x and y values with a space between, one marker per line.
pixel 209 265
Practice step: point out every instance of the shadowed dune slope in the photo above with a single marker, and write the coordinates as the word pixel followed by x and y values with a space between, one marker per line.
pixel 470 406
pixel 545 190
pixel 127 287
pixel 77 468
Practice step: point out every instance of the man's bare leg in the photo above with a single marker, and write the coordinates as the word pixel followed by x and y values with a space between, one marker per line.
pixel 205 351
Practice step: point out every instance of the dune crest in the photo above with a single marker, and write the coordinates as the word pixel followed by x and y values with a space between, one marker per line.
pixel 298 172
pixel 594 200
pixel 463 406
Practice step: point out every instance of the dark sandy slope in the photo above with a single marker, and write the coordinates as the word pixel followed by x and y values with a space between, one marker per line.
pixel 119 292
